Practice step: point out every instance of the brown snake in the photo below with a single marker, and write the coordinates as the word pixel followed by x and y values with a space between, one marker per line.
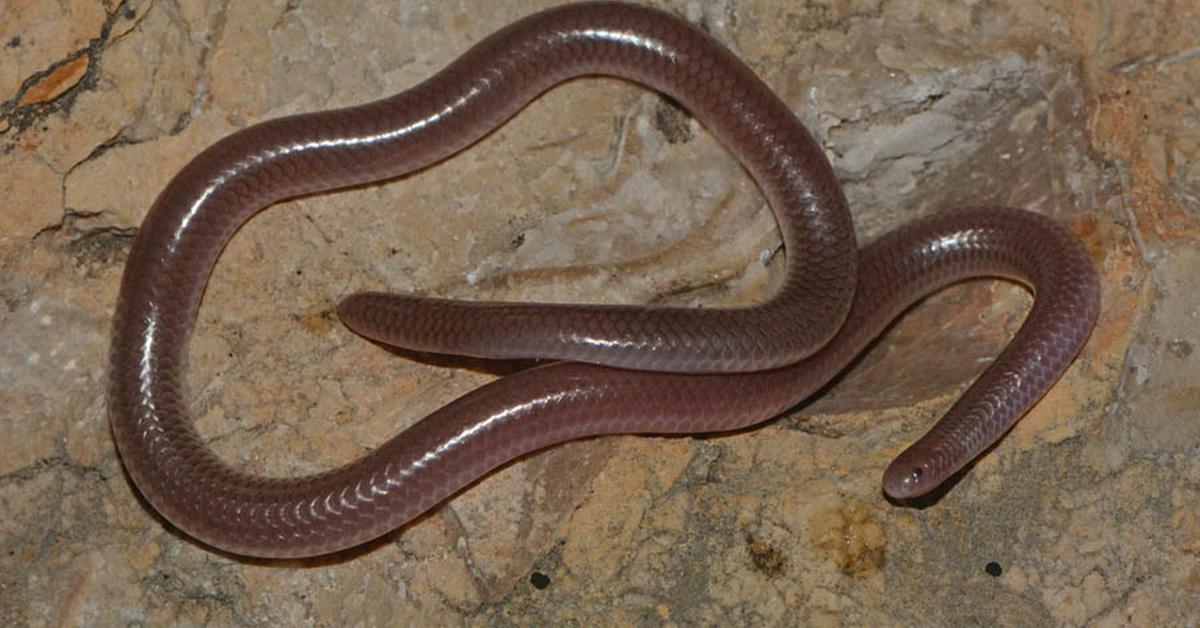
pixel 697 370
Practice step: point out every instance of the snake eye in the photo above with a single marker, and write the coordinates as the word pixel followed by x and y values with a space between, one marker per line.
pixel 904 480
pixel 913 479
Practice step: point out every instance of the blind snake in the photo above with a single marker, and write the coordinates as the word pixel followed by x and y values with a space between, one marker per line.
pixel 625 369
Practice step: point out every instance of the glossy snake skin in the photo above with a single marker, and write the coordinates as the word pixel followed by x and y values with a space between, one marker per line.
pixel 631 369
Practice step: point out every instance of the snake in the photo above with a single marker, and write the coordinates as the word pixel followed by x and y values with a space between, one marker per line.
pixel 610 369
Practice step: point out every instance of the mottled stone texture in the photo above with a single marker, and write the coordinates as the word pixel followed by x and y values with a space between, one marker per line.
pixel 601 191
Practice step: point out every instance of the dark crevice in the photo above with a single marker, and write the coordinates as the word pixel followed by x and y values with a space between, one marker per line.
pixel 91 247
pixel 22 117
pixel 65 224
pixel 58 461
pixel 103 147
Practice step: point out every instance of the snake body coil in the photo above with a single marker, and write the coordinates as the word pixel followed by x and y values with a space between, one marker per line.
pixel 697 370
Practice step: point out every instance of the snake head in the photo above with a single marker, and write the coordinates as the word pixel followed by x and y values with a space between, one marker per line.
pixel 910 476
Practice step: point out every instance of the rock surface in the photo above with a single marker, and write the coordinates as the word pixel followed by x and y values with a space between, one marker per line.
pixel 600 191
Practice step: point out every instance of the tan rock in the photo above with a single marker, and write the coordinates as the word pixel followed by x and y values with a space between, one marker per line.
pixel 601 191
